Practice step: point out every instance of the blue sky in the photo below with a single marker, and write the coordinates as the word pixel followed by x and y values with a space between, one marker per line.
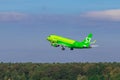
pixel 25 25
pixel 57 6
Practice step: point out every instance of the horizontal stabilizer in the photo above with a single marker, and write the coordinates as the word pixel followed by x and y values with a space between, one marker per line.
pixel 94 45
pixel 93 42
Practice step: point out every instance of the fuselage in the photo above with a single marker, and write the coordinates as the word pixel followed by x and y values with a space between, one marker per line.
pixel 67 42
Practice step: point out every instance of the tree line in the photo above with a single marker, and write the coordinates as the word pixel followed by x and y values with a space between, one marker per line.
pixel 59 71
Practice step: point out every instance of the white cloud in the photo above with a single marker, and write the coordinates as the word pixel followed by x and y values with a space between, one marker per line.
pixel 12 16
pixel 106 14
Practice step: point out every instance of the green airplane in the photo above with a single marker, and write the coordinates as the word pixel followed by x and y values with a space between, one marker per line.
pixel 57 41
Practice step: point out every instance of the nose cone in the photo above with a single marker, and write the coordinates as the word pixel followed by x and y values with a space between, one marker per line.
pixel 48 38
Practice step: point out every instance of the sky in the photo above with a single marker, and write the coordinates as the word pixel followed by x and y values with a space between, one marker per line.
pixel 25 25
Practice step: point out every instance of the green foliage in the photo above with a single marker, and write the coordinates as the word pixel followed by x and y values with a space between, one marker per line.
pixel 60 71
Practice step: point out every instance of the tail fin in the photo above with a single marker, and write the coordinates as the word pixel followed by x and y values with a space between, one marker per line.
pixel 88 38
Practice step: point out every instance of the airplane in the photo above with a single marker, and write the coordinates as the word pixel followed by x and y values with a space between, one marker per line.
pixel 57 41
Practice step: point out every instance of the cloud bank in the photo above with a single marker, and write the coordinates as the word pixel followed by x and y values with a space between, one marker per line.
pixel 106 14
pixel 12 16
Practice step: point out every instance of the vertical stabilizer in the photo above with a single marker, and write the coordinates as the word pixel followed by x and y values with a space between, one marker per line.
pixel 88 38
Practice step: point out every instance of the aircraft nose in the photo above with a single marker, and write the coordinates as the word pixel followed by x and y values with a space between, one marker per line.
pixel 48 38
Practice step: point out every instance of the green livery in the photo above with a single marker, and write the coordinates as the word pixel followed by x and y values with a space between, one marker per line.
pixel 57 41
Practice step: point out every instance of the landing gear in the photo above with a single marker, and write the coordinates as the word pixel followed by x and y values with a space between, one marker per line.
pixel 71 48
pixel 62 48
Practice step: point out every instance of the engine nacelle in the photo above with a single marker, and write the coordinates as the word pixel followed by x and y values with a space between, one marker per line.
pixel 55 45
